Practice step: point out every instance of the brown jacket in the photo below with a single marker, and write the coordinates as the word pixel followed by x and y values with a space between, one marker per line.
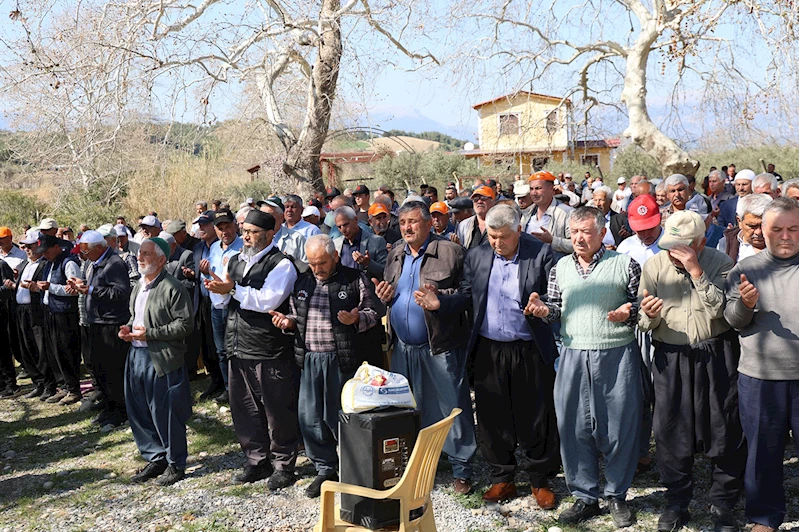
pixel 731 240
pixel 442 266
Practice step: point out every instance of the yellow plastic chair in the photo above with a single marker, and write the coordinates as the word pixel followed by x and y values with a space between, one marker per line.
pixel 412 491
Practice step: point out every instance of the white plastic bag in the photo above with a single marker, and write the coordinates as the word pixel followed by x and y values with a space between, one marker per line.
pixel 372 387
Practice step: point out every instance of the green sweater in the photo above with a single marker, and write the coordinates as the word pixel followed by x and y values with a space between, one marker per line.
pixel 586 303
pixel 168 319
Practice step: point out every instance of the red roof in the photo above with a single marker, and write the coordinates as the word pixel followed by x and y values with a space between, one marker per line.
pixel 602 143
pixel 518 93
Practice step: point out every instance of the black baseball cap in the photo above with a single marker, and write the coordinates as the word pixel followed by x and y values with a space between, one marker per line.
pixel 361 189
pixel 491 183
pixel 332 192
pixel 224 216
pixel 46 242
pixel 205 218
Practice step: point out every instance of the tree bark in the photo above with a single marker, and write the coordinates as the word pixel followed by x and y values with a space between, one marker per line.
pixel 302 162
pixel 641 130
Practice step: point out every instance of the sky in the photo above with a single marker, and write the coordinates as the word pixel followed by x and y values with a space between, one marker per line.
pixel 435 99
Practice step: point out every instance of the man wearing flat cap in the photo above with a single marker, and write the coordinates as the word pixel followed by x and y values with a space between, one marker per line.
pixel 156 382
pixel 61 318
pixel 227 245
pixel 177 228
pixel 107 291
pixel 180 261
pixel 695 371
pixel 264 377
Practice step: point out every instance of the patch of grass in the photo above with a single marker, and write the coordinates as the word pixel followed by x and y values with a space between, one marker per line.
pixel 472 501
pixel 216 522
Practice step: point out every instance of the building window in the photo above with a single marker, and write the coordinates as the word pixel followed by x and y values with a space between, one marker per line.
pixel 552 122
pixel 539 163
pixel 589 160
pixel 509 124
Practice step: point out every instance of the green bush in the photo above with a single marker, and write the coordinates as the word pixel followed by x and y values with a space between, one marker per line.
pixel 18 209
pixel 632 160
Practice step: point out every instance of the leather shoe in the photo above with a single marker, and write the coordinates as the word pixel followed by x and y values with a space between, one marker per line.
pixel 281 479
pixel 621 513
pixel 462 486
pixel 151 470
pixel 545 498
pixel 36 392
pixel 674 518
pixel 500 492
pixel 254 473
pixel 723 521
pixel 763 528
pixel 170 476
pixel 579 511
pixel 314 489
pixel 212 391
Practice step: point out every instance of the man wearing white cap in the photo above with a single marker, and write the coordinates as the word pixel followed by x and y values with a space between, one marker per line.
pixel 48 226
pixel 107 291
pixel 622 194
pixel 30 320
pixel 149 227
pixel 521 191
pixel 695 371
pixel 312 215
pixel 743 187
pixel 115 235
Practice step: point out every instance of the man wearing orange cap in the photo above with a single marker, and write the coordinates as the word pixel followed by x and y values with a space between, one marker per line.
pixel 9 251
pixel 549 221
pixel 380 222
pixel 441 224
pixel 472 230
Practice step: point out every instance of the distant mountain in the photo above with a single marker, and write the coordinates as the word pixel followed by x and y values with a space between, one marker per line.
pixel 411 119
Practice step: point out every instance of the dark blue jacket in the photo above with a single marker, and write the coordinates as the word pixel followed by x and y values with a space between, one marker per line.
pixel 61 304
pixel 535 261
pixel 727 214
pixel 198 256
pixel 110 292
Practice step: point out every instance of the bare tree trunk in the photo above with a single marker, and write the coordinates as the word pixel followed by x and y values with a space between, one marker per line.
pixel 642 131
pixel 302 161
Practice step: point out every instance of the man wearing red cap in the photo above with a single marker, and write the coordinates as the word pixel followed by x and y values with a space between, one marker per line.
pixel 643 216
pixel 472 230
pixel 549 221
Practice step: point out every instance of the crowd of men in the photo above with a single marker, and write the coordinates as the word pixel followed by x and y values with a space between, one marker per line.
pixel 584 319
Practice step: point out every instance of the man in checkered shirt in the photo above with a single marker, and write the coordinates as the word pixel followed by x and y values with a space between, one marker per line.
pixel 333 316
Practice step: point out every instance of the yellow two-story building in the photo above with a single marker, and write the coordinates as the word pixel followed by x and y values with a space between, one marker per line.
pixel 524 131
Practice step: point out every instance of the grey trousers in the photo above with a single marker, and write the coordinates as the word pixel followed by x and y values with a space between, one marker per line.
pixel 598 404
pixel 439 384
pixel 263 402
pixel 320 401
pixel 158 408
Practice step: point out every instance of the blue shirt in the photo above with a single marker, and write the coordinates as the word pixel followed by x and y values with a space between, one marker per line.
pixel 504 321
pixel 347 249
pixel 407 318
pixel 448 231
pixel 219 257
pixel 205 255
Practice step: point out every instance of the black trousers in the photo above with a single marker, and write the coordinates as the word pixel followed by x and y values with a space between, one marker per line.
pixel 8 332
pixel 205 342
pixel 515 406
pixel 263 402
pixel 30 326
pixel 696 411
pixel 108 356
pixel 62 334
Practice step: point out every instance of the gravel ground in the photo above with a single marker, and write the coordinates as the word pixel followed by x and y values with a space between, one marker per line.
pixel 60 473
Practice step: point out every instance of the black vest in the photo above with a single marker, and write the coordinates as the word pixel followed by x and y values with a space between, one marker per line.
pixel 250 334
pixel 352 348
pixel 62 304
